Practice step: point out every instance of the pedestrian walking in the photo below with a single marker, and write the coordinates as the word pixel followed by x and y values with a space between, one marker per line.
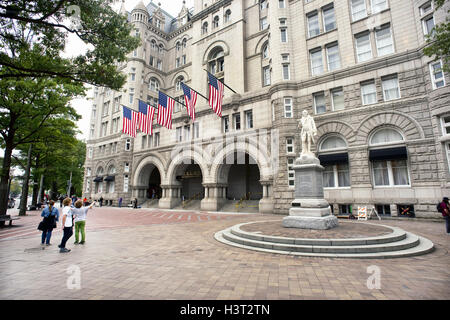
pixel 51 216
pixel 74 199
pixel 80 213
pixel 444 208
pixel 67 225
pixel 61 198
pixel 135 203
pixel 101 201
pixel 120 202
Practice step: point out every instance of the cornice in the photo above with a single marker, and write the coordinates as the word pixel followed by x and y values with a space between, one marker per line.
pixel 210 9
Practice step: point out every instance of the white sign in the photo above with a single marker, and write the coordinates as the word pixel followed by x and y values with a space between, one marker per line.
pixel 362 213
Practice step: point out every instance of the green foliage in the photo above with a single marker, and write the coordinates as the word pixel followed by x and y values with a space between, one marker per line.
pixel 438 42
pixel 32 43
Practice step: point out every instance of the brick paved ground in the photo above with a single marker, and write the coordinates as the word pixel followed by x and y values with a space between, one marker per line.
pixel 144 255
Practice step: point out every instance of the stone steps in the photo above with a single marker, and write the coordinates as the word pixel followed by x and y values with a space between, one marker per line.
pixel 399 243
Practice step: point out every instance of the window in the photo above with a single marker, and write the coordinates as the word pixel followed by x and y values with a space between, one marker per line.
pixel 437 75
pixel 128 145
pixel 313 24
pixel 177 63
pixel 333 58
pixel 283 35
pixel 92 130
pixel 368 93
pixel 216 63
pixel 336 176
pixel 159 64
pixel 151 61
pixel 205 28
pixel 291 172
pixel 385 136
pixel 153 85
pixel 248 119
pixel 187 133
pixel 345 208
pixel 383 209
pixel 135 53
pixel 445 120
pixel 286 73
pixel 288 108
pixel 363 47
pixel 378 5
pixel 178 83
pixel 131 95
pixel 184 42
pixel 263 23
pixel 428 24
pixel 319 103
pixel 88 185
pixel 282 22
pixel 266 76
pixel 105 109
pixel 227 16
pixel 179 136
pixel 384 42
pixel 263 4
pixel 329 20
pixel 196 129
pixel 125 183
pixel 265 51
pixel 133 74
pixel 237 121
pixel 316 62
pixel 391 90
pixel 225 124
pixel 156 139
pixel 143 142
pixel 117 103
pixel 426 8
pixel 337 99
pixel 281 4
pixel 183 59
pixel 90 153
pixel 88 172
pixel 216 22
pixel 290 145
pixel 358 8
pixel 126 167
pixel 153 44
pixel 178 46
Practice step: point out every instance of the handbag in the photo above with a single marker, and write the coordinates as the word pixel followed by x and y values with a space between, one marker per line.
pixel 41 226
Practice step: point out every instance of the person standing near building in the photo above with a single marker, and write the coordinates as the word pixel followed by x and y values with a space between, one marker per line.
pixel 80 213
pixel 101 201
pixel 444 207
pixel 135 203
pixel 67 225
pixel 120 202
pixel 51 216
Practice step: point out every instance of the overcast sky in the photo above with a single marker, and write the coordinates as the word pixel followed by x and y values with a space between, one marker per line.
pixel 75 47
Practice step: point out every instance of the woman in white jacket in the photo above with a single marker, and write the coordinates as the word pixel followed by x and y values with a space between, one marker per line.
pixel 80 213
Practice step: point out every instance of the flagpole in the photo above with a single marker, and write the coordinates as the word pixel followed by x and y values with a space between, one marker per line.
pixel 196 92
pixel 174 99
pixel 221 81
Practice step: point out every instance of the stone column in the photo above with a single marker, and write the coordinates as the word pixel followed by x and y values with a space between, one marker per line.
pixel 169 197
pixel 309 209
pixel 266 204
pixel 214 198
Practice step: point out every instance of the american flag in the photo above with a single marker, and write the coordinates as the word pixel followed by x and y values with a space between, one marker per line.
pixel 146 113
pixel 190 96
pixel 130 121
pixel 165 109
pixel 216 89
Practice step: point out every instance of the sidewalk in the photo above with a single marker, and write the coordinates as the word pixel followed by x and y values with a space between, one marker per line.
pixel 183 261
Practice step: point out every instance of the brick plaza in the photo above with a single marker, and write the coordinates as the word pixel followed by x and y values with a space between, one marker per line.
pixel 168 254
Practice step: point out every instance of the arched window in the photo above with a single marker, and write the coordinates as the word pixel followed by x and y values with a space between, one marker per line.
pixel 99 181
pixel 216 22
pixel 385 136
pixel 263 4
pixel 205 28
pixel 99 171
pixel 227 16
pixel 110 179
pixel 111 170
pixel 265 51
pixel 153 44
pixel 153 84
pixel 178 83
pixel 184 42
pixel 388 158
pixel 178 45
pixel 216 62
pixel 333 157
pixel 161 48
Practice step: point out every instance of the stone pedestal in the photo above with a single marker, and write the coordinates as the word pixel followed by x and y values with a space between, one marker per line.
pixel 309 209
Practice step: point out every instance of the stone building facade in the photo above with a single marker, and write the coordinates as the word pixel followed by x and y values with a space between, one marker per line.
pixel 382 108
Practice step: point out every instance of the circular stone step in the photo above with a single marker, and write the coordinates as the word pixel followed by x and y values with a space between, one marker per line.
pixel 398 243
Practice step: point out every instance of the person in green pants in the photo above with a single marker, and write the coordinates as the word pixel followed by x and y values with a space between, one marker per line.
pixel 80 213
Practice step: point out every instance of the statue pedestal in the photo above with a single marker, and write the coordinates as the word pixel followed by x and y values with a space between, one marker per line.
pixel 309 209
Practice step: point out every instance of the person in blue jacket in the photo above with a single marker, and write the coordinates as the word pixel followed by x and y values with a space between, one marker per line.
pixel 51 216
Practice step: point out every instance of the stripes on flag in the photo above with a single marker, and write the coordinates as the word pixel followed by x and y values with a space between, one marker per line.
pixel 216 89
pixel 146 113
pixel 190 97
pixel 165 109
pixel 130 121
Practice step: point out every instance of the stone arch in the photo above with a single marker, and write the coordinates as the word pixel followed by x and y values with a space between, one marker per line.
pixel 151 159
pixel 152 74
pixel 182 157
pixel 410 128
pixel 213 46
pixel 329 135
pixel 261 42
pixel 100 164
pixel 218 171
pixel 336 127
pixel 181 73
pixel 110 163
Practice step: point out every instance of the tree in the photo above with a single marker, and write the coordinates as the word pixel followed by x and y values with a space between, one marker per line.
pixel 34 35
pixel 36 82
pixel 438 42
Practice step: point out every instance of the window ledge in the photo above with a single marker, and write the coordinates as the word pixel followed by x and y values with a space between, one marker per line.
pixel 337 188
pixel 445 138
pixel 390 187
pixel 321 34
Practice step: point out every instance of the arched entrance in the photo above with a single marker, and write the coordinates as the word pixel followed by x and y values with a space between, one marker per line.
pixel 191 182
pixel 149 186
pixel 242 178
pixel 154 190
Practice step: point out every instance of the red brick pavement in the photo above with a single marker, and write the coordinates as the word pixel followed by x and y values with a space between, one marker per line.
pixel 110 218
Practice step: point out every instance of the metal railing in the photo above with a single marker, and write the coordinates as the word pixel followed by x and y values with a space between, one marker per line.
pixel 194 197
pixel 241 203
